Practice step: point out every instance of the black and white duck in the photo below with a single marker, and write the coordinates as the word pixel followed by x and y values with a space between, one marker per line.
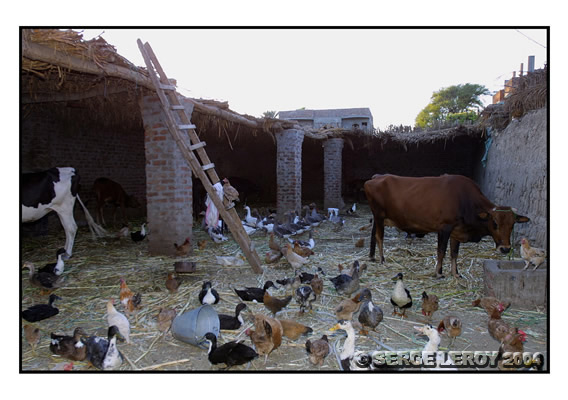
pixel 400 297
pixel 208 295
pixel 55 268
pixel 70 347
pixel 370 315
pixel 139 235
pixel 46 281
pixel 232 322
pixel 291 283
pixel 305 296
pixel 40 312
pixel 103 353
pixel 306 277
pixel 254 294
pixel 230 354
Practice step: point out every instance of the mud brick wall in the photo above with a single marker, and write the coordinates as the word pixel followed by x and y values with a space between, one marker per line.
pixel 332 153
pixel 168 183
pixel 516 174
pixel 289 170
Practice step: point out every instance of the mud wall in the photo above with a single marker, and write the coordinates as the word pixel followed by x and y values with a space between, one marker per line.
pixel 516 174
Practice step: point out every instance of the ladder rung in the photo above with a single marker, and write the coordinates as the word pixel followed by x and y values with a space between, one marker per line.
pixel 197 146
pixel 177 107
pixel 208 166
pixel 191 126
pixel 167 87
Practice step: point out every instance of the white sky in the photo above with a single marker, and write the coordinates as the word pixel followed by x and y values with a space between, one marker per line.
pixel 392 71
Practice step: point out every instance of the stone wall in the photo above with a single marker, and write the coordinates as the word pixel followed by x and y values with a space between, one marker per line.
pixel 516 174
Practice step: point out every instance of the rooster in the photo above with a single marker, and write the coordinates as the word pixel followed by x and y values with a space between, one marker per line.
pixel 130 301
pixel 532 255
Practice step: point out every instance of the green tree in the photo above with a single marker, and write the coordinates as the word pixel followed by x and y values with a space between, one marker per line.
pixel 454 103
pixel 269 114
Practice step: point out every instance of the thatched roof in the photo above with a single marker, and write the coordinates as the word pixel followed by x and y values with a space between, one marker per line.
pixel 59 66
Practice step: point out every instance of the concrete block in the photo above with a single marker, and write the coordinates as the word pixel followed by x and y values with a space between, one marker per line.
pixel 507 281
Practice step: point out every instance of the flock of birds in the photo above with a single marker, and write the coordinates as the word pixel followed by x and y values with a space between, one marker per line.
pixel 355 311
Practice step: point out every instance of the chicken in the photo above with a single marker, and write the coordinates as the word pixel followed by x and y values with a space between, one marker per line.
pixel 499 329
pixel 273 245
pixel 489 303
pixel 165 318
pixel 346 309
pixel 452 326
pixel 184 248
pixel 230 194
pixel 119 320
pixel 272 256
pixel 290 283
pixel 172 283
pixel 130 301
pixel 302 251
pixel 429 304
pixel 293 330
pixel 295 260
pixel 32 336
pixel 360 243
pixel 317 350
pixel 274 304
pixel 124 232
pixel 532 255
pixel 512 342
pixel 267 334
pixel 317 284
pixel 201 244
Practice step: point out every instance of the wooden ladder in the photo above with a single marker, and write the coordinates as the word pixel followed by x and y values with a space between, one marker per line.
pixel 189 143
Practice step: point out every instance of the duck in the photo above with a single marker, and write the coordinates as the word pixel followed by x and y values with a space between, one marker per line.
pixel 347 354
pixel 103 353
pixel 281 230
pixel 55 268
pixel 249 219
pixel 352 209
pixel 40 312
pixel 184 248
pixel 172 283
pixel 370 315
pixel 431 348
pixel 335 218
pixel 345 284
pixel 400 297
pixel 346 308
pixel 216 234
pixel 267 334
pixel 275 304
pixel 231 353
pixel 114 318
pixel 231 322
pixel 295 260
pixel 290 283
pixel 317 350
pixel 254 294
pixel 305 296
pixel 452 326
pixel 429 304
pixel 45 281
pixel 293 330
pixel 32 335
pixel 310 243
pixel 208 295
pixel 306 277
pixel 69 347
pixel 139 235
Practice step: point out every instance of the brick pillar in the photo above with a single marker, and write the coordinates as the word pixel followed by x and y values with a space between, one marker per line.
pixel 289 170
pixel 168 183
pixel 332 149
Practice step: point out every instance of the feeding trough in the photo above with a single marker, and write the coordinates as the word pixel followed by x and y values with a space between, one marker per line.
pixel 184 267
pixel 507 281
pixel 191 326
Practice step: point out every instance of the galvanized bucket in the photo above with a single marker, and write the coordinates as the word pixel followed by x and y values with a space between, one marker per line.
pixel 191 327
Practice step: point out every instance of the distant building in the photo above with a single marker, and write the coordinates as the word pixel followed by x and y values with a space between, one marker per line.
pixel 346 118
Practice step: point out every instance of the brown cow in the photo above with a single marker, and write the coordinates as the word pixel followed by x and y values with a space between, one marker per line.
pixel 110 192
pixel 451 205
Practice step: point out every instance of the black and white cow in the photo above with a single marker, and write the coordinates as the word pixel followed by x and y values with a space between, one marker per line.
pixel 55 190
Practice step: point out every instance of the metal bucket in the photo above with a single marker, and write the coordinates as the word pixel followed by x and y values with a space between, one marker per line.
pixel 191 327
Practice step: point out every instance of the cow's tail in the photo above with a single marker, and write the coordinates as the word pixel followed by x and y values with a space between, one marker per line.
pixel 96 229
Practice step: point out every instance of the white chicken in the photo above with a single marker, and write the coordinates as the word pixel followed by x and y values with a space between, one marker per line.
pixel 532 255
pixel 119 320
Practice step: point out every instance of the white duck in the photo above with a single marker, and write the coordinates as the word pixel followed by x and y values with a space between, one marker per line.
pixel 431 348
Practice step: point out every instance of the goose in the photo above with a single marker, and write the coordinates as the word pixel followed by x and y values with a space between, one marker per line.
pixel 249 219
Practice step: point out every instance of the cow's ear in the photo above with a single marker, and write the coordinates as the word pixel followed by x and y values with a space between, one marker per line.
pixel 484 215
pixel 519 219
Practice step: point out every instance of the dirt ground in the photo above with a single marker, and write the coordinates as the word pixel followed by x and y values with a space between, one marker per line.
pixel 92 277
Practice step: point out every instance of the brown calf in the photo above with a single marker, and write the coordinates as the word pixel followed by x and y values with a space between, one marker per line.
pixel 110 192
